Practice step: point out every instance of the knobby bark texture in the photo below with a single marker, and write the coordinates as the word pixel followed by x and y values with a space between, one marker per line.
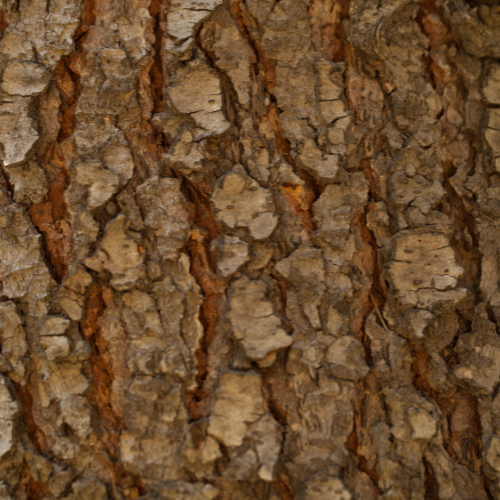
pixel 249 249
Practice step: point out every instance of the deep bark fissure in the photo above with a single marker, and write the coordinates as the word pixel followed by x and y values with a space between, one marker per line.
pixel 157 12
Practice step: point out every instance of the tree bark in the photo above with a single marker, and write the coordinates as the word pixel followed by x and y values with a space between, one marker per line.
pixel 249 249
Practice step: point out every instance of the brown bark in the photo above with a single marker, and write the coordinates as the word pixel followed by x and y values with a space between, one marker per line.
pixel 249 250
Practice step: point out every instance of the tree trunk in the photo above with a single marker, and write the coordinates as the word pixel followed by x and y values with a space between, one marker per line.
pixel 249 249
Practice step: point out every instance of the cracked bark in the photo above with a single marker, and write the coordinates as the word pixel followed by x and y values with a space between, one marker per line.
pixel 249 250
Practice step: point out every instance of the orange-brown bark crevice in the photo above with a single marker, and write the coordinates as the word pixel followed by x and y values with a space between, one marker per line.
pixel 38 437
pixel 5 182
pixel 280 398
pixel 365 167
pixel 103 371
pixel 431 486
pixel 300 200
pixel 264 67
pixel 69 86
pixel 370 407
pixel 101 364
pixel 3 24
pixel 283 487
pixel 371 291
pixel 368 410
pixel 156 10
pixel 211 312
pixel 34 490
pixel 51 216
pixel 203 270
pixel 87 20
pixel 203 214
pixel 364 263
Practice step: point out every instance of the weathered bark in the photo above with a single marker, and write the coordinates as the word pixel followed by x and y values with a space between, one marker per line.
pixel 249 249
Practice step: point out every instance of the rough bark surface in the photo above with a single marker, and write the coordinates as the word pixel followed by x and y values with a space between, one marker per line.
pixel 249 249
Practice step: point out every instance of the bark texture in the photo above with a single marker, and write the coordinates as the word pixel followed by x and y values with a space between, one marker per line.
pixel 249 250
